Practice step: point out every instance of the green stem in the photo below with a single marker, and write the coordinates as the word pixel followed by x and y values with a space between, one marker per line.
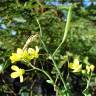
pixel 88 82
pixel 17 2
pixel 66 29
pixel 29 70
pixel 42 72
pixel 51 57
pixel 58 72
pixel 64 37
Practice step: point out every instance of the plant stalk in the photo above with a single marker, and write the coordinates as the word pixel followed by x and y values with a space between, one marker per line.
pixel 66 29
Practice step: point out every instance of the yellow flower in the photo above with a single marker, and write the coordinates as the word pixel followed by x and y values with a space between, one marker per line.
pixel 16 56
pixel 75 66
pixel 90 68
pixel 25 55
pixel 33 53
pixel 18 72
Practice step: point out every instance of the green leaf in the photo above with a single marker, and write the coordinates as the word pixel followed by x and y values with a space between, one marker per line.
pixel 24 92
pixel 19 19
pixel 62 7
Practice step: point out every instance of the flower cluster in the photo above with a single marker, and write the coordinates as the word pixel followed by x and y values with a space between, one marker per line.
pixel 22 55
pixel 75 66
pixel 89 68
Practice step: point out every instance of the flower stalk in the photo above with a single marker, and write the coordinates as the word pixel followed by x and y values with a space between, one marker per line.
pixel 64 37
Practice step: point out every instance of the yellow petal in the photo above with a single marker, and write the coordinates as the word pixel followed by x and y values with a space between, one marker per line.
pixel 14 75
pixel 70 65
pixel 76 66
pixel 15 57
pixel 32 53
pixel 92 67
pixel 30 50
pixel 78 69
pixel 21 79
pixel 25 54
pixel 76 61
pixel 15 68
pixel 37 49
pixel 12 58
pixel 19 51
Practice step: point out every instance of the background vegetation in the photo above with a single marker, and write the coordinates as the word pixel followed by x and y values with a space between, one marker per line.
pixel 18 20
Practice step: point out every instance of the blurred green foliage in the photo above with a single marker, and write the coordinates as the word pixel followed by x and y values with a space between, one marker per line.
pixel 19 17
